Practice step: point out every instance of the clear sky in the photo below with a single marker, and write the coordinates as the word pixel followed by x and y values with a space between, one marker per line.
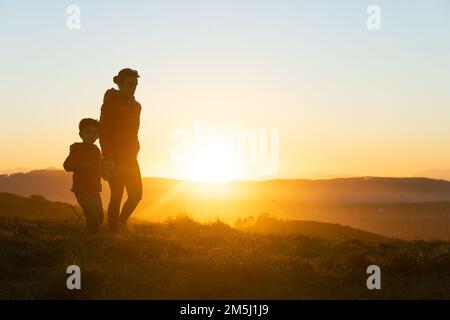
pixel 346 100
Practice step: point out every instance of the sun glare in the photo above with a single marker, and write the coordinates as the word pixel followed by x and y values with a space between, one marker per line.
pixel 214 162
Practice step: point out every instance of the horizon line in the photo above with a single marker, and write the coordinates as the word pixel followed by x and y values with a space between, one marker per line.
pixel 9 172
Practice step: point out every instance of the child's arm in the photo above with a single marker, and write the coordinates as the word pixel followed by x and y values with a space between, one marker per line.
pixel 72 162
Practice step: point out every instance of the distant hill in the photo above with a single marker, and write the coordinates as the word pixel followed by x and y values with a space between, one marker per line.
pixel 271 225
pixel 435 174
pixel 34 207
pixel 37 207
pixel 14 170
pixel 52 184
pixel 55 185
pixel 409 208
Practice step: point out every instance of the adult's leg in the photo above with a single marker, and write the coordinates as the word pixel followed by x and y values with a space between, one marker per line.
pixel 99 212
pixel 133 183
pixel 116 184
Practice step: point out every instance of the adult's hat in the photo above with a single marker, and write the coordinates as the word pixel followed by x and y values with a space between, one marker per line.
pixel 124 73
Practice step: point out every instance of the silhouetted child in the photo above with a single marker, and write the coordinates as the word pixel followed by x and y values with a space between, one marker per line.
pixel 84 161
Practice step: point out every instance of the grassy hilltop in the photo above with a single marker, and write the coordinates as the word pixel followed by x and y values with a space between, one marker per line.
pixel 182 259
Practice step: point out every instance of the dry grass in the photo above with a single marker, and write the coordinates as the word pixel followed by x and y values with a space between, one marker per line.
pixel 182 259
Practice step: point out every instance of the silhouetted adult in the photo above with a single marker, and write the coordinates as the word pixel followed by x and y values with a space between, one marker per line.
pixel 118 135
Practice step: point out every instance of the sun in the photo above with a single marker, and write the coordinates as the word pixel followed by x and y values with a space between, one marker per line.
pixel 213 162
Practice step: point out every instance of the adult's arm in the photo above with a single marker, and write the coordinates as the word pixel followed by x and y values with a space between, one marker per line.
pixel 106 128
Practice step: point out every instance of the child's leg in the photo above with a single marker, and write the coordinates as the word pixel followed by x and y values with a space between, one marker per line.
pixel 89 204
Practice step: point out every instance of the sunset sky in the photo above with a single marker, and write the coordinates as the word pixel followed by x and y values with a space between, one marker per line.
pixel 345 100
